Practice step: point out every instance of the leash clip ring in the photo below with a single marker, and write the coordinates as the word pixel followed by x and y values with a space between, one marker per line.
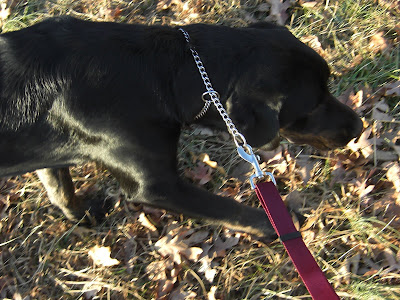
pixel 246 152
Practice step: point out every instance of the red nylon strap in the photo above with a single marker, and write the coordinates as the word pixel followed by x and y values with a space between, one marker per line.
pixel 312 276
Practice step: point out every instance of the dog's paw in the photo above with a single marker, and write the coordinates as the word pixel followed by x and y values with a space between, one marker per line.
pixel 87 211
pixel 96 211
pixel 255 222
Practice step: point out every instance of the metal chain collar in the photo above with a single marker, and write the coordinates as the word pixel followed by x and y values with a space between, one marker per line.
pixel 212 96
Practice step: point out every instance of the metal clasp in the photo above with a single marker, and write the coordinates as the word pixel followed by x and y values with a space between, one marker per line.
pixel 246 152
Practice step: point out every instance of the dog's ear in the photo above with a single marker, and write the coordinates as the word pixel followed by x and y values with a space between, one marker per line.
pixel 257 121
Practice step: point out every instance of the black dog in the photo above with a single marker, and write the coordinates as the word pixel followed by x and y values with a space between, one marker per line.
pixel 118 94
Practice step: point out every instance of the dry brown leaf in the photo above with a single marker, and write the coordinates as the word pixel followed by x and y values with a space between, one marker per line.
pixel 308 3
pixel 385 156
pixel 380 111
pixel 378 43
pixel 216 249
pixel 197 238
pixel 130 250
pixel 91 290
pixel 4 12
pixel 393 89
pixel 393 175
pixel 350 266
pixel 206 159
pixel 211 293
pixel 364 144
pixel 4 204
pixel 207 264
pixel 295 200
pixel 271 156
pixel 192 253
pixel 313 42
pixel 275 159
pixel 387 209
pixel 174 246
pixel 278 11
pixel 146 223
pixel 180 294
pixel 213 164
pixel 102 256
pixel 156 270
pixel 199 130
pixel 219 248
pixel 392 137
pixel 231 191
pixel 164 287
pixel 305 167
pixel 200 174
pixel 356 100
pixel 167 4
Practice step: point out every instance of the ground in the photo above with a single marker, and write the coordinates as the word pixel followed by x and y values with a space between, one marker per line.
pixel 350 196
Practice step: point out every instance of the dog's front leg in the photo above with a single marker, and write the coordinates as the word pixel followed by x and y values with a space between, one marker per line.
pixel 192 201
pixel 60 190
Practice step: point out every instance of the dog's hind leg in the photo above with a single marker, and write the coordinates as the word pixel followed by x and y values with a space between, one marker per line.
pixel 61 192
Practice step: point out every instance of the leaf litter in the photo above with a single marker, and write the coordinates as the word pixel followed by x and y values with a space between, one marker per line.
pixel 350 198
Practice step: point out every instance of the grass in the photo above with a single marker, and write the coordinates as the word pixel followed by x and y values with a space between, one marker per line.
pixel 351 227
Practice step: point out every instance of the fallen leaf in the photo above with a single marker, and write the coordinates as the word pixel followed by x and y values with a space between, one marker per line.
pixel 156 270
pixel 305 167
pixel 393 175
pixel 4 204
pixel 197 238
pixel 211 293
pixel 180 294
pixel 356 100
pixel 102 256
pixel 392 137
pixel 200 174
pixel 167 4
pixel 146 223
pixel 130 250
pixel 308 4
pixel 220 246
pixel 313 42
pixel 206 263
pixel 176 246
pixel 378 43
pixel 392 89
pixel 364 144
pixel 164 287
pixel 295 200
pixel 199 130
pixel 4 11
pixel 278 11
pixel 380 111
pixel 91 290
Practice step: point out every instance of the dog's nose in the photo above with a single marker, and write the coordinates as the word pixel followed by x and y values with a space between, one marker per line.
pixel 356 129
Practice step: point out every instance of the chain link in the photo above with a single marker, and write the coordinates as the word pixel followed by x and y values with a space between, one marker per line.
pixel 238 138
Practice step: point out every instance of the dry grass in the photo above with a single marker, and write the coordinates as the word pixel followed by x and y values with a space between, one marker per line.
pixel 349 196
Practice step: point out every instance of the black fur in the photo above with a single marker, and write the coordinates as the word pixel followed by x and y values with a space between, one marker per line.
pixel 74 91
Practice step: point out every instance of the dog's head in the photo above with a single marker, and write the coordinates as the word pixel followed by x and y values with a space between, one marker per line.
pixel 283 90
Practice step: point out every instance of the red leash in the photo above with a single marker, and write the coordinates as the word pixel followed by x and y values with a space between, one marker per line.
pixel 309 271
